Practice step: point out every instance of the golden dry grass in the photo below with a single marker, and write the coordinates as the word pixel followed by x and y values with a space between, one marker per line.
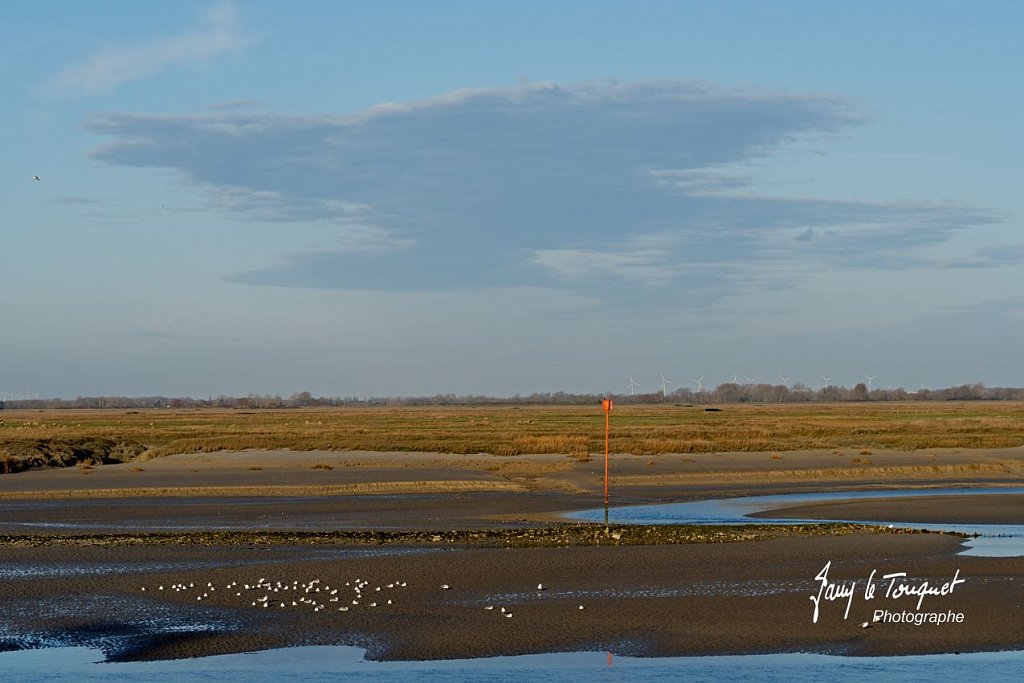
pixel 511 430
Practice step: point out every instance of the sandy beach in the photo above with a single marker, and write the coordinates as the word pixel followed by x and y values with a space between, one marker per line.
pixel 76 559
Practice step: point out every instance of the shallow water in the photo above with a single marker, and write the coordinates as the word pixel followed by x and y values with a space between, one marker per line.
pixel 993 540
pixel 305 553
pixel 190 513
pixel 332 663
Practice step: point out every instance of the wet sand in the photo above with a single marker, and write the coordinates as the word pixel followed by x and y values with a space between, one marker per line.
pixel 979 509
pixel 678 599
pixel 639 600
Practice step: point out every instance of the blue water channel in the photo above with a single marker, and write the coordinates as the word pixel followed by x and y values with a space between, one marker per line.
pixel 988 540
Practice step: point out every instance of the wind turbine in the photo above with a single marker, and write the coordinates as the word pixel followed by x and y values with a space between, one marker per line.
pixel 664 383
pixel 700 383
pixel 735 377
pixel 751 380
pixel 632 385
pixel 869 378
pixel 785 380
pixel 826 381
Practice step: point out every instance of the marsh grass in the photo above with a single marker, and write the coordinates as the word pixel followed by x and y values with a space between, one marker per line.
pixel 365 488
pixel 513 430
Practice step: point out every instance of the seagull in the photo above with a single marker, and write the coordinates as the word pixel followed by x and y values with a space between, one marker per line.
pixel 540 586
pixel 866 625
pixel 36 178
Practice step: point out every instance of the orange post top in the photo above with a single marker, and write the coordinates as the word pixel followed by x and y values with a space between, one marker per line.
pixel 606 404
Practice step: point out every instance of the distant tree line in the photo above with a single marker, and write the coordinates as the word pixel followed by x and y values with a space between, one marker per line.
pixel 730 392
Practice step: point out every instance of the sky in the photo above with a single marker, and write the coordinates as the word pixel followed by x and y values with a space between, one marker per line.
pixel 405 199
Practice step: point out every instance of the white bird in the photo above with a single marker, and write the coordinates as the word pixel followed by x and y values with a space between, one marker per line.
pixel 36 178
pixel 865 625
pixel 445 586
pixel 540 586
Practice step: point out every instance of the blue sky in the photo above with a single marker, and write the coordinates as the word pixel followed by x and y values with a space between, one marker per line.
pixel 398 198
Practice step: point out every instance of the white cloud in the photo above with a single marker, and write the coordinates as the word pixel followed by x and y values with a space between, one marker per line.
pixel 646 266
pixel 217 31
pixel 702 183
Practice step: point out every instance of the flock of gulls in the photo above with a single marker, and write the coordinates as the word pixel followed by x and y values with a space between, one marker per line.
pixel 312 595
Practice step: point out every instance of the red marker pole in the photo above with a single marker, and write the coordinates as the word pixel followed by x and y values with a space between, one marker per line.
pixel 606 404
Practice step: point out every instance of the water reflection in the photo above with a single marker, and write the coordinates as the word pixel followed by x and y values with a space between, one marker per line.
pixel 332 663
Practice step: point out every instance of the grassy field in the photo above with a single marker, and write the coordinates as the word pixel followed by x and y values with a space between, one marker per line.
pixel 575 431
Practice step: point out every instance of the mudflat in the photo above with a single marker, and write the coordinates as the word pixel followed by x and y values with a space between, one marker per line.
pixel 80 545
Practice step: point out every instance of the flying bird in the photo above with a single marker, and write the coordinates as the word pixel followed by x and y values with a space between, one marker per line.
pixel 35 177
